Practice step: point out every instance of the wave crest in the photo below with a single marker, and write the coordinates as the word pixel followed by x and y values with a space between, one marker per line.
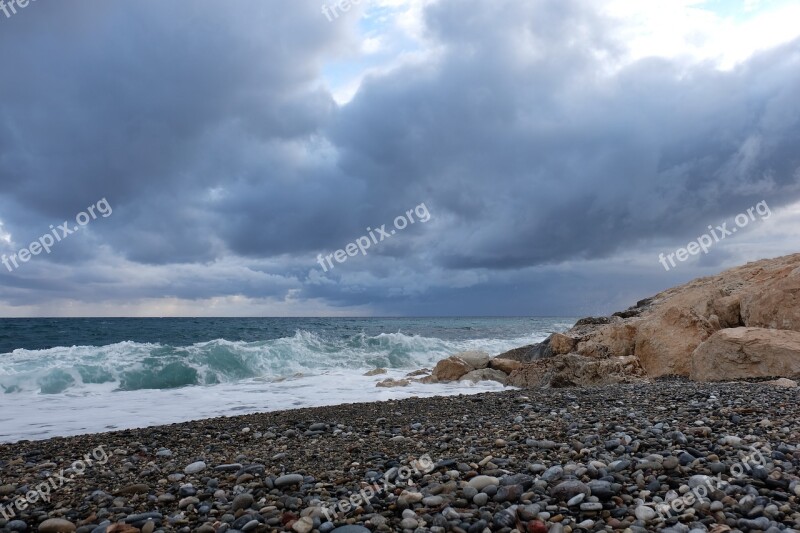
pixel 135 366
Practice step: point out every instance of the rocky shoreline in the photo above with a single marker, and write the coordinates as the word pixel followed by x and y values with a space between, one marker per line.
pixel 669 455
pixel 743 323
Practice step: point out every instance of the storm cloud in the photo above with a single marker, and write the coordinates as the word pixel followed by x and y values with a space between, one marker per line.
pixel 554 166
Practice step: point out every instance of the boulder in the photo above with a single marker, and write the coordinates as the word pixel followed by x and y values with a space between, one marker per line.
pixel 561 344
pixel 618 338
pixel 522 354
pixel 782 383
pixel 476 360
pixel 389 382
pixel 742 353
pixel 485 374
pixel 450 369
pixel 375 372
pixel 573 370
pixel 456 366
pixel 776 303
pixel 504 365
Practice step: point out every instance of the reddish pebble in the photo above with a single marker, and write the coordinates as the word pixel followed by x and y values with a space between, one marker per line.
pixel 537 526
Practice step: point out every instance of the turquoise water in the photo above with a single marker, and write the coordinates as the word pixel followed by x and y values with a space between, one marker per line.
pixel 52 356
pixel 69 376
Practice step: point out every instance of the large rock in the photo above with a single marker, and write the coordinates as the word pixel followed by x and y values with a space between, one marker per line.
pixel 456 366
pixel 476 360
pixel 618 338
pixel 561 344
pixel 450 369
pixel 740 353
pixel 389 383
pixel 485 374
pixel 776 304
pixel 575 370
pixel 504 365
pixel 521 354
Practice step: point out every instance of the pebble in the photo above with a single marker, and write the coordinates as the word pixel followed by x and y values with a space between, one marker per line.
pixel 481 482
pixel 56 525
pixel 645 513
pixel 304 525
pixel 242 501
pixel 194 468
pixel 561 461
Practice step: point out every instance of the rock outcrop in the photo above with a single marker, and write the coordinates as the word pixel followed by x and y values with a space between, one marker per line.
pixel 747 353
pixel 742 323
pixel 573 370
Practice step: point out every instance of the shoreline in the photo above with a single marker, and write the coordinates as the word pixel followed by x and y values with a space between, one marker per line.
pixel 623 447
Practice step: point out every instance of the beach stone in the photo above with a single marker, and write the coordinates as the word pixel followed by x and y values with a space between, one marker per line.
pixel 154 515
pixel 351 529
pixel 432 501
pixel 186 502
pixel 537 526
pixel 288 480
pixel 481 482
pixel 568 489
pixel 304 525
pixel 251 525
pixel 139 488
pixel 591 506
pixel 553 473
pixel 187 490
pixel 645 513
pixel 601 489
pixel 234 467
pixel 671 462
pixel 56 525
pixel 575 500
pixel 17 525
pixel 409 523
pixel 242 501
pixel 194 468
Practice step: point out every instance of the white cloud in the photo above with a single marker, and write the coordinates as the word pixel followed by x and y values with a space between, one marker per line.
pixel 696 31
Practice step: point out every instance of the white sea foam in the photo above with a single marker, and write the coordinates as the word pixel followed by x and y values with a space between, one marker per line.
pixel 82 389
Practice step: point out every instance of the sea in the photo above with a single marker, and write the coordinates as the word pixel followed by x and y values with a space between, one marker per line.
pixel 61 377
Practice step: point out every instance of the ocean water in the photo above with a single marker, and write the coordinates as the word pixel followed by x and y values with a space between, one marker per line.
pixel 63 377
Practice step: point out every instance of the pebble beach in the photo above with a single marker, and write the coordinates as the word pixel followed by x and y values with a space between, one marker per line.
pixel 665 456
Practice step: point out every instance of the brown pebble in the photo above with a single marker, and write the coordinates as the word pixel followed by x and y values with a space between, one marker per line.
pixel 56 525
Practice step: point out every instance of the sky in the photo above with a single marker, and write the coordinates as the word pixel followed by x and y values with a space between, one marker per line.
pixel 547 152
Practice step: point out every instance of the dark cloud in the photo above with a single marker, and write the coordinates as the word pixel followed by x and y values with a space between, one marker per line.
pixel 537 150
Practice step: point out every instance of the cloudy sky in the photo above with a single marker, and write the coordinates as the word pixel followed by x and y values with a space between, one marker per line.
pixel 559 147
